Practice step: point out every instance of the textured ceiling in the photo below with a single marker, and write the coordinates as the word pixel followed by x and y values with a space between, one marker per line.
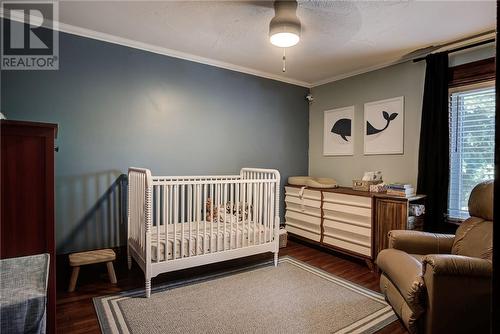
pixel 338 37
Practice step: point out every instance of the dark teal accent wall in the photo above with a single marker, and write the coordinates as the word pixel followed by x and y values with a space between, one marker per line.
pixel 118 107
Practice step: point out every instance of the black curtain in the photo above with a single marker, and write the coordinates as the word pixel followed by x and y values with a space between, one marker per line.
pixel 433 159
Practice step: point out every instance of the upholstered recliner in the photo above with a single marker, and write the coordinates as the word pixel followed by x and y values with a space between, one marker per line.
pixel 439 283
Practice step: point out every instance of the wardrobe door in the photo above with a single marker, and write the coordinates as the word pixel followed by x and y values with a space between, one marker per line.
pixel 27 212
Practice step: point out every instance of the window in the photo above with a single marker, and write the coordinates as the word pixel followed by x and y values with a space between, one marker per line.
pixel 472 141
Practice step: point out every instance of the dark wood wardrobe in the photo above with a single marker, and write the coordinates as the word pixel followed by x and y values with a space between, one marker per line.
pixel 27 211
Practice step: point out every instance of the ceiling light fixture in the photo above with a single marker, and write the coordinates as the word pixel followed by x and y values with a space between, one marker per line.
pixel 284 28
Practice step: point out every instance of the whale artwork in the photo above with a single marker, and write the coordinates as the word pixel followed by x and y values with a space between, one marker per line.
pixel 384 126
pixel 342 127
pixel 338 132
pixel 371 130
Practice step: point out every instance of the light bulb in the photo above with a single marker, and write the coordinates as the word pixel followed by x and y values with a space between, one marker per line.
pixel 284 39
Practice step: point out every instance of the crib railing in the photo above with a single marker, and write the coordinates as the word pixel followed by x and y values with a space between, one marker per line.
pixel 186 216
pixel 139 212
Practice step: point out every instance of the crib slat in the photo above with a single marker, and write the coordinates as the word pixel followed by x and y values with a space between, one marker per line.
pixel 211 213
pixel 156 195
pixel 225 216
pixel 168 237
pixel 250 212
pixel 244 211
pixel 255 218
pixel 190 216
pixel 176 221
pixel 237 195
pixel 215 215
pixel 266 215
pixel 270 213
pixel 198 195
pixel 261 209
pixel 183 221
pixel 232 217
pixel 204 216
pixel 167 209
pixel 273 212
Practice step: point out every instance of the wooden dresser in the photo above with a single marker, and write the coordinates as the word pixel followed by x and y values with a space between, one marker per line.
pixel 349 221
pixel 27 212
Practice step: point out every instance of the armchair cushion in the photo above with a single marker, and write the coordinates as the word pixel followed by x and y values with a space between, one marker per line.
pixel 398 303
pixel 456 265
pixel 405 272
pixel 458 294
pixel 474 238
pixel 415 242
pixel 481 201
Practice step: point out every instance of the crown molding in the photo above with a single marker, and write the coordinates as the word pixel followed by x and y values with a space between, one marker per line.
pixel 444 47
pixel 358 72
pixel 109 38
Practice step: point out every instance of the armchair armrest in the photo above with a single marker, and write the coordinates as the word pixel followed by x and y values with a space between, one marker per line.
pixel 445 264
pixel 458 293
pixel 415 242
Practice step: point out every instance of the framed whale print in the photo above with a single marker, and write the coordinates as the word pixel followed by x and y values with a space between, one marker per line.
pixel 384 126
pixel 338 135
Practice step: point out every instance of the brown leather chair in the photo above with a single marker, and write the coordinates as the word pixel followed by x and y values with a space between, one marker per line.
pixel 440 283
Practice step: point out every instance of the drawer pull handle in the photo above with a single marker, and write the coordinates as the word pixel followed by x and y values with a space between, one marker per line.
pixel 301 196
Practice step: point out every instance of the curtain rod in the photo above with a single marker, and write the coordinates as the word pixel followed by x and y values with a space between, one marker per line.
pixel 465 47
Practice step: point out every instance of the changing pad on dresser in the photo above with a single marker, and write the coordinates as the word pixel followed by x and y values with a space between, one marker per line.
pixel 314 182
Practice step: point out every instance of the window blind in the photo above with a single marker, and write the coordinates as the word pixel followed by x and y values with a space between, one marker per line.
pixel 472 144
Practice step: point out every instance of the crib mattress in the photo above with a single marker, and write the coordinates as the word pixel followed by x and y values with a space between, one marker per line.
pixel 236 235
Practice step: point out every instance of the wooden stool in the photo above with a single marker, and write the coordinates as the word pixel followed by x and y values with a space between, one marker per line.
pixel 97 256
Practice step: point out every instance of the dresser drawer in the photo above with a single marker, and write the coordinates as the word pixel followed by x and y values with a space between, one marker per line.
pixel 348 209
pixel 303 201
pixel 303 219
pixel 304 209
pixel 347 236
pixel 349 246
pixel 365 233
pixel 349 218
pixel 306 194
pixel 303 233
pixel 348 200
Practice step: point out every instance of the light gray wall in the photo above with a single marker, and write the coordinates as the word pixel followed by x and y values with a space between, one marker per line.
pixel 406 79
pixel 400 80
pixel 118 107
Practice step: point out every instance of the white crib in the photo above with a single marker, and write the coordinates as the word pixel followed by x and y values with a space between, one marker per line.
pixel 186 221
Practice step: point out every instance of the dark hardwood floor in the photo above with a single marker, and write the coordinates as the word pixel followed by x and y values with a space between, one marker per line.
pixel 75 311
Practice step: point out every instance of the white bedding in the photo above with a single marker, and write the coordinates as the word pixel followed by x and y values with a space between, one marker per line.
pixel 202 241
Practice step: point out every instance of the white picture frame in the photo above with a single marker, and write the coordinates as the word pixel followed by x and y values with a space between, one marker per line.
pixel 384 126
pixel 338 131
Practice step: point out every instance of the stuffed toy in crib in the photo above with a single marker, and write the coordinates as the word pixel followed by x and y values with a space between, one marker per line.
pixel 232 212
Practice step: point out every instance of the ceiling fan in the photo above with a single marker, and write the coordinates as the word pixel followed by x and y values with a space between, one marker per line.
pixel 285 27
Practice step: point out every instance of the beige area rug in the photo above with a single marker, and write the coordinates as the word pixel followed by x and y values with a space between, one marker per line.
pixel 291 298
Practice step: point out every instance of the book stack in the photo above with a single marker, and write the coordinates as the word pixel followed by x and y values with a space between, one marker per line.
pixel 400 189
